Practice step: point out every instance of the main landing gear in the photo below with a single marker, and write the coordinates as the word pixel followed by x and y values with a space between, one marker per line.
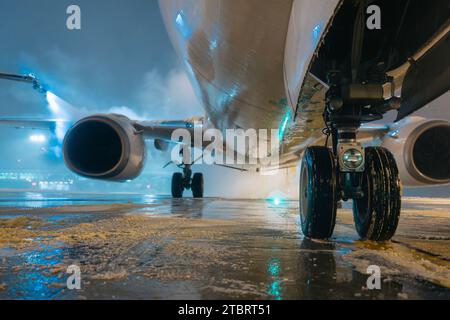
pixel 185 180
pixel 369 176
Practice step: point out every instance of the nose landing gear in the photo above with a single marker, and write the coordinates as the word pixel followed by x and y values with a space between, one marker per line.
pixel 369 176
pixel 377 211
pixel 197 185
pixel 318 193
pixel 182 181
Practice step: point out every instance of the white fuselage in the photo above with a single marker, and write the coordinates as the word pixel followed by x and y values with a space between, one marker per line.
pixel 247 60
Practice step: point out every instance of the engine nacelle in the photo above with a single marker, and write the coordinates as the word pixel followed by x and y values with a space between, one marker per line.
pixel 105 147
pixel 422 150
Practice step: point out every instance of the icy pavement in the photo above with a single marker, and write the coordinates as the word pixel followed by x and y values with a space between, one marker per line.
pixel 140 247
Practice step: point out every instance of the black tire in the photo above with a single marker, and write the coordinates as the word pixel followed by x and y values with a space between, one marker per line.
pixel 318 193
pixel 197 185
pixel 177 185
pixel 377 213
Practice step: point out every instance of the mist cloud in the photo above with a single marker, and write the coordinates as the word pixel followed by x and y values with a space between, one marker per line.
pixel 168 97
pixel 161 97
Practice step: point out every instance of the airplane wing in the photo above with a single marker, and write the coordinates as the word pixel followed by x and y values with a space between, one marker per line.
pixel 162 130
pixel 152 130
pixel 29 123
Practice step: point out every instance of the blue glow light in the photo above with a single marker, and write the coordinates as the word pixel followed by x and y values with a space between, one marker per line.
pixel 316 33
pixel 274 267
pixel 274 270
pixel 213 45
pixel 274 290
pixel 284 124
pixel 38 138
pixel 183 26
pixel 276 201
pixel 277 198
pixel 36 281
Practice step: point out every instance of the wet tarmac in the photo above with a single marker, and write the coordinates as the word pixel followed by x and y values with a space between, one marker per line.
pixel 143 247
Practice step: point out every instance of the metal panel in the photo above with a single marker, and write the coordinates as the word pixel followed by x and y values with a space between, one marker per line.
pixel 310 20
pixel 234 51
pixel 241 55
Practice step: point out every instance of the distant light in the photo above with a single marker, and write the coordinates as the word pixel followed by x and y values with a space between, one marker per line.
pixel 276 202
pixel 38 138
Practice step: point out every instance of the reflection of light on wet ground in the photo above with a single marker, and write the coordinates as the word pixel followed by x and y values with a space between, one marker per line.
pixel 67 217
pixel 36 279
pixel 53 199
pixel 31 196
pixel 224 248
pixel 6 252
pixel 273 268
pixel 148 199
pixel 7 217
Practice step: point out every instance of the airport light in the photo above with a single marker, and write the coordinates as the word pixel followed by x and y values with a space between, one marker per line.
pixel 276 201
pixel 38 138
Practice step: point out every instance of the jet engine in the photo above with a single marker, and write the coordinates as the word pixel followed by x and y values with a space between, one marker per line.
pixel 422 150
pixel 106 147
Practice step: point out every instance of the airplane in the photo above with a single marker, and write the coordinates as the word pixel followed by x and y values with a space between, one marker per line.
pixel 318 71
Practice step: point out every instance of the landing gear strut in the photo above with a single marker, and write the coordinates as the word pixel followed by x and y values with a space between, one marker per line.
pixel 368 176
pixel 185 180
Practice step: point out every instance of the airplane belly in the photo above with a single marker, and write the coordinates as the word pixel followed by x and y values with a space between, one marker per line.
pixel 309 23
pixel 234 53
